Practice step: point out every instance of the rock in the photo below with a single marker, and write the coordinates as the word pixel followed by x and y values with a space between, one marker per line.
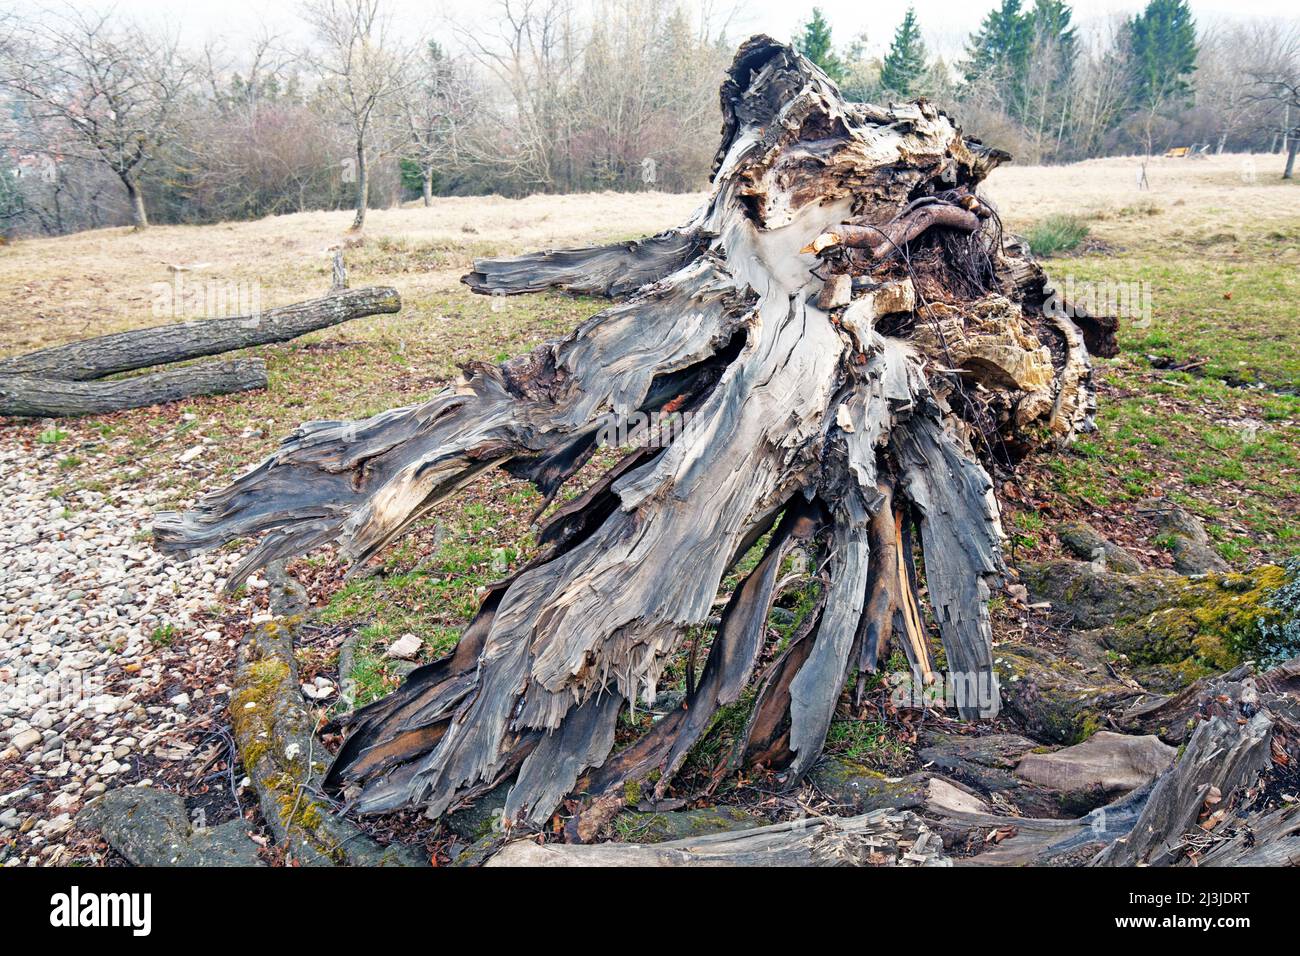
pixel 152 828
pixel 1091 598
pixel 1087 544
pixel 1210 624
pixel 404 648
pixel 658 827
pixel 317 692
pixel 56 826
pixel 478 853
pixel 482 817
pixel 1184 534
pixel 25 739
pixel 854 789
pixel 1113 763
pixel 986 766
pixel 944 795
pixel 180 701
pixel 1052 697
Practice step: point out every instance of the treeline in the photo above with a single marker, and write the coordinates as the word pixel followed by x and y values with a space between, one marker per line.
pixel 1037 84
pixel 105 122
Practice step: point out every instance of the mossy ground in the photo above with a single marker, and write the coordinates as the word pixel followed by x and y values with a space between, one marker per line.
pixel 1221 438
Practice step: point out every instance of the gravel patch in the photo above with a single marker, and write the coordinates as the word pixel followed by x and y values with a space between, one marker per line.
pixel 114 659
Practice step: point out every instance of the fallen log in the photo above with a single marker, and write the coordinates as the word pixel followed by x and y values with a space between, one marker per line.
pixel 24 396
pixel 809 410
pixel 180 341
pixel 273 734
pixel 880 838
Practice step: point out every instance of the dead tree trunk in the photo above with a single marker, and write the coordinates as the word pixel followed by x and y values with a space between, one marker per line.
pixel 881 838
pixel 845 332
pixel 179 341
pixel 24 396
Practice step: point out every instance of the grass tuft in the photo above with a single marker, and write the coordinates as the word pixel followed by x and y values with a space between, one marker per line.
pixel 1056 234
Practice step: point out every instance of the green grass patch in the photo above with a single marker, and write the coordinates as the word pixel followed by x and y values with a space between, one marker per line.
pixel 1056 234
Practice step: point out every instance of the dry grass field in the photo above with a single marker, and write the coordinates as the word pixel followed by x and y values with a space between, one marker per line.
pixel 1221 254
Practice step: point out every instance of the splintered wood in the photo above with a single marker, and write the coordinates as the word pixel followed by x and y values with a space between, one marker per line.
pixel 853 340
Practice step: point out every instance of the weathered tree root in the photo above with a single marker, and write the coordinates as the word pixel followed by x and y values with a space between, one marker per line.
pixel 1224 801
pixel 275 740
pixel 826 407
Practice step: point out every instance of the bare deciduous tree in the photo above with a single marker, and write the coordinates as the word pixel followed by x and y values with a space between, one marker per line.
pixel 114 89
pixel 362 68
pixel 434 113
pixel 533 56
pixel 1275 85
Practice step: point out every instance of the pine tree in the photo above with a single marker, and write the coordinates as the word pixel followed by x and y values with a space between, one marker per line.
pixel 1012 44
pixel 1162 43
pixel 814 42
pixel 904 64
pixel 1050 22
pixel 998 51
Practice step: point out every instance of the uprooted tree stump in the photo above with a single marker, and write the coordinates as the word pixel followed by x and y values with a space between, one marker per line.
pixel 848 341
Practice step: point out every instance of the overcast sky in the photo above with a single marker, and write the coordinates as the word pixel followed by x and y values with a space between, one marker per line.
pixel 945 23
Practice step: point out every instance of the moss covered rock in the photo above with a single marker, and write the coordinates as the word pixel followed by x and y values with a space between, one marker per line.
pixel 1169 628
pixel 1209 624
pixel 853 788
pixel 1088 544
pixel 1054 698
pixel 1089 598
